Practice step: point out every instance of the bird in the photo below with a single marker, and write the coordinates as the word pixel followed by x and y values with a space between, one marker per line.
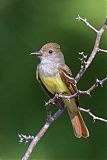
pixel 55 77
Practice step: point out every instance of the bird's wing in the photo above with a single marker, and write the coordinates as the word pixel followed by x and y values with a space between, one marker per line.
pixel 67 78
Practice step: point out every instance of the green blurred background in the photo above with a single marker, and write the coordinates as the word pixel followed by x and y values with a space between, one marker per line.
pixel 25 25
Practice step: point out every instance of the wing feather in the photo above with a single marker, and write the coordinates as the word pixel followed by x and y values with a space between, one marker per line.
pixel 68 79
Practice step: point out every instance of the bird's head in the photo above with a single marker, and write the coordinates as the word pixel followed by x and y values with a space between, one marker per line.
pixel 50 51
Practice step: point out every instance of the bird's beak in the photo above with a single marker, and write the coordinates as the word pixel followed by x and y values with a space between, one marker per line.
pixel 37 53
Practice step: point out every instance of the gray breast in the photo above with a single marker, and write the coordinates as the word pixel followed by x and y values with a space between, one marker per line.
pixel 49 69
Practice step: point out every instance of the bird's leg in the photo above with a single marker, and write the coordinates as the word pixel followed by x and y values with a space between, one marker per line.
pixel 58 102
pixel 49 115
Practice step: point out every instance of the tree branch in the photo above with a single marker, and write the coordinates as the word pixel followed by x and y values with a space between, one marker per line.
pixel 95 49
pixel 24 138
pixel 41 133
pixel 87 92
pixel 56 115
pixel 92 115
pixel 79 18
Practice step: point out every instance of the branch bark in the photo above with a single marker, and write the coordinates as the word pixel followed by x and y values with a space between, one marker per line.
pixel 84 20
pixel 102 50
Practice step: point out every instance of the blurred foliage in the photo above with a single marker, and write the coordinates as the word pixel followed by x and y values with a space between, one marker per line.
pixel 25 25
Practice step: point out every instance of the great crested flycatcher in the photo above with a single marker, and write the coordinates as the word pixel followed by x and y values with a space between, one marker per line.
pixel 55 77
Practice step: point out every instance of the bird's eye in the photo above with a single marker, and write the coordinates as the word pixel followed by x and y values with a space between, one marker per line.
pixel 50 51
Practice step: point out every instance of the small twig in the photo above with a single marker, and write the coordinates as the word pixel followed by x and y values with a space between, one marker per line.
pixel 51 101
pixel 24 138
pixel 102 50
pixel 40 134
pixel 79 18
pixel 95 49
pixel 83 60
pixel 92 115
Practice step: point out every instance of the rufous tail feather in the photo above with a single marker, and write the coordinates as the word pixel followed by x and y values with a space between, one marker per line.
pixel 80 129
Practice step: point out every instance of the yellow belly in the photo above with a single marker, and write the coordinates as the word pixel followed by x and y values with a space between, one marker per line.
pixel 55 84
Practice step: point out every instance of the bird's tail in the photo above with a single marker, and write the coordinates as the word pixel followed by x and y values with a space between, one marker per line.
pixel 80 129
